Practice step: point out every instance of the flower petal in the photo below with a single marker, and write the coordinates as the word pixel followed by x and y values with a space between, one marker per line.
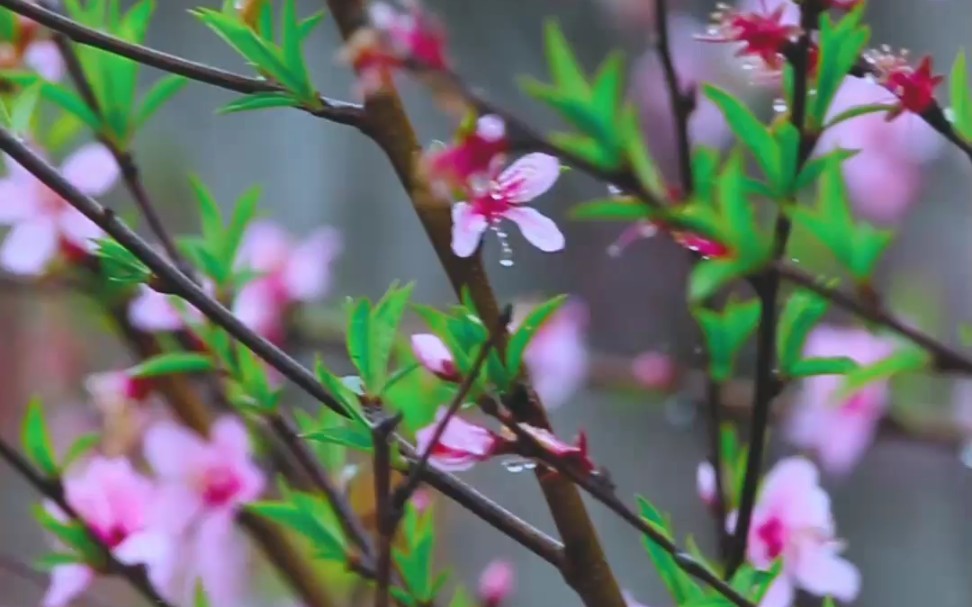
pixel 29 247
pixel 67 582
pixel 529 177
pixel 18 201
pixel 78 229
pixel 151 311
pixel 44 58
pixel 820 571
pixel 173 451
pixel 538 229
pixel 779 594
pixel 433 354
pixel 307 274
pixel 91 168
pixel 467 229
pixel 265 246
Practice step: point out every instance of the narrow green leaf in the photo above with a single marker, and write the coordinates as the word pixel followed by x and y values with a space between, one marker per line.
pixel 961 97
pixel 23 109
pixel 835 365
pixel 858 110
pixel 81 447
pixel 36 439
pixel 711 275
pixel 726 333
pixel 679 584
pixel 244 210
pixel 386 318
pixel 359 340
pixel 340 391
pixel 909 359
pixel 527 330
pixel 611 209
pixel 355 437
pixel 173 363
pixel 566 72
pixel 163 90
pixel 640 157
pixel 750 131
pixel 802 311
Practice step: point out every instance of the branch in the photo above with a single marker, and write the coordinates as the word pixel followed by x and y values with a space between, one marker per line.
pixel 337 111
pixel 52 489
pixel 380 434
pixel 682 103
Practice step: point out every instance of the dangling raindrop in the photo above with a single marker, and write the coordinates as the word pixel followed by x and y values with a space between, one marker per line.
pixel 779 105
pixel 506 251
pixel 949 113
pixel 518 464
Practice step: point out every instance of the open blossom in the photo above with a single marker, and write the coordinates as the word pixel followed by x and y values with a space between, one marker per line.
pixel 792 521
pixel 557 357
pixel 462 444
pixel 884 176
pixel 496 583
pixel 42 223
pixel 476 155
pixel 152 311
pixel 761 34
pixel 838 433
pixel 434 355
pixel 117 503
pixel 290 272
pixel 504 198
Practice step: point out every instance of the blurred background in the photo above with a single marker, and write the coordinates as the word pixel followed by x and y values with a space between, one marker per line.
pixel 906 510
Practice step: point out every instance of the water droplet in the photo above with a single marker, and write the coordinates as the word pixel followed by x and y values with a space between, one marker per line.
pixel 615 250
pixel 949 113
pixel 965 454
pixel 779 105
pixel 614 190
pixel 712 30
pixel 794 260
pixel 518 464
pixel 506 251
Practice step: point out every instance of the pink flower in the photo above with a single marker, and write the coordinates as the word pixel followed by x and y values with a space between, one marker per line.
pixel 122 400
pixel 655 371
pixel 792 521
pixel 290 273
pixel 705 483
pixel 759 34
pixel 496 583
pixel 433 354
pixel 461 446
pixel 118 505
pixel 44 224
pixel 576 454
pixel 557 357
pixel 884 177
pixel 504 198
pixel 154 312
pixel 28 49
pixel 203 480
pixel 476 156
pixel 913 86
pixel 838 433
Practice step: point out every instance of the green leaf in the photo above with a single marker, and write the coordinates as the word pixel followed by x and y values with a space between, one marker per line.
pixel 355 437
pixel 120 265
pixel 386 317
pixel 726 333
pixel 36 439
pixel 802 311
pixel 49 562
pixel 71 534
pixel 527 330
pixel 858 110
pixel 71 103
pixel 260 101
pixel 840 48
pixel 23 109
pixel 611 209
pixel 750 131
pixel 210 217
pixel 293 55
pixel 163 90
pixel 834 365
pixel 81 447
pixel 244 210
pixel 566 72
pixel 200 598
pixel 961 97
pixel 310 518
pixel 682 587
pixel 462 598
pixel 639 156
pixel 711 275
pixel 173 363
pixel 909 359
pixel 340 391
pixel 359 341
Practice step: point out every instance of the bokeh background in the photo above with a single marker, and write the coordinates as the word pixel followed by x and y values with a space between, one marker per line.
pixel 906 511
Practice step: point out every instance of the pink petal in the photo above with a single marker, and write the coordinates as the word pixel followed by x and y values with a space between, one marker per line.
pixel 461 445
pixel 257 307
pixel 18 201
pixel 230 436
pixel 433 354
pixel 175 508
pixel 308 271
pixel 156 551
pixel 173 451
pixel 529 177
pixel 265 247
pixel 67 582
pixel 821 572
pixel 78 229
pixel 705 482
pixel 152 311
pixel 538 229
pixel 44 58
pixel 221 561
pixel 92 169
pixel 497 582
pixel 29 247
pixel 779 594
pixel 557 357
pixel 467 229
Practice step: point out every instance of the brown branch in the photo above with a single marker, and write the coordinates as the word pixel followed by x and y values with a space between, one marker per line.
pixel 340 112
pixel 54 491
pixel 380 433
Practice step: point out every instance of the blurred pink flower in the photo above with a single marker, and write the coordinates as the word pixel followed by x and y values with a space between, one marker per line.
pixel 118 505
pixel 44 224
pixel 504 198
pixel 461 446
pixel 496 583
pixel 43 57
pixel 884 177
pixel 152 311
pixel 655 371
pixel 792 521
pixel 694 63
pixel 557 357
pixel 838 433
pixel 123 402
pixel 435 356
pixel 290 272
pixel 29 49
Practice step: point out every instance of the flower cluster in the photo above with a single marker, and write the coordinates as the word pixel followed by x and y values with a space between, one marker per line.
pixel 178 524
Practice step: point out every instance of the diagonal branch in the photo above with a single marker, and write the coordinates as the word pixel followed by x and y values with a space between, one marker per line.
pixel 334 110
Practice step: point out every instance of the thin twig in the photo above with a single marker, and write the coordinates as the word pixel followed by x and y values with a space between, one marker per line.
pixel 337 111
pixel 52 489
pixel 411 483
pixel 380 434
pixel 682 102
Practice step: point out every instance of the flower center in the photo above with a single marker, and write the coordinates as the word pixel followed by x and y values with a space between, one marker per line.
pixel 219 485
pixel 771 533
